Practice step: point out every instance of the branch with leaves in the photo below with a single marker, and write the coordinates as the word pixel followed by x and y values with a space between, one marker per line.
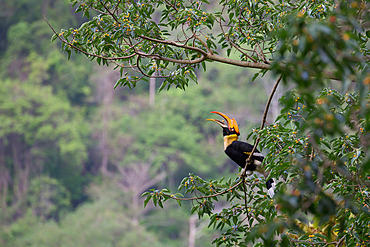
pixel 175 38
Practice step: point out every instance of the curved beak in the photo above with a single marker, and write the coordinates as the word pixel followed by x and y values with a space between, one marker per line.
pixel 231 123
pixel 221 123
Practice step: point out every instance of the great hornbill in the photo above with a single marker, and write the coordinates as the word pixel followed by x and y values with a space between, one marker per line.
pixel 239 151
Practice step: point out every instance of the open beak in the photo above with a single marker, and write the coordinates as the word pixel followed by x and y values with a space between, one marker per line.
pixel 231 123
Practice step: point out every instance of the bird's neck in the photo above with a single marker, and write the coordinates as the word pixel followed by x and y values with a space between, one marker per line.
pixel 229 139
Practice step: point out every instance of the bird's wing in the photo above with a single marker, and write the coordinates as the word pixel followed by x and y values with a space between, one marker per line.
pixel 247 148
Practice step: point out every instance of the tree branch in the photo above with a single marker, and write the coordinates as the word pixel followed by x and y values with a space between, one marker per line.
pixel 209 196
pixel 254 65
pixel 167 42
pixel 204 55
pixel 263 122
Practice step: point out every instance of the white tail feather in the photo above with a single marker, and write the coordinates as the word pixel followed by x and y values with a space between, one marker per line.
pixel 271 191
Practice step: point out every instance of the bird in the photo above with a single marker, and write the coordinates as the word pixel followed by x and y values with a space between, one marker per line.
pixel 239 151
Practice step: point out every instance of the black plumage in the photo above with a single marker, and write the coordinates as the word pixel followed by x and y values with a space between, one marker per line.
pixel 239 152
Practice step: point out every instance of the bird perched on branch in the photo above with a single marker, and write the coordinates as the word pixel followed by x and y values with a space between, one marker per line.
pixel 240 151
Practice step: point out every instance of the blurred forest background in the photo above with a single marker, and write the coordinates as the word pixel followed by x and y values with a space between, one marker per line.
pixel 75 154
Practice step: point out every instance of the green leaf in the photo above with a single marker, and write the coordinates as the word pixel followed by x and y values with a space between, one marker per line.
pixel 321 236
pixel 163 85
pixel 145 193
pixel 165 190
pixel 147 199
pixel 87 14
pixel 179 195
pixel 326 144
pixel 228 52
pixel 255 76
pixel 54 37
pixel 68 54
pixel 155 200
pixel 194 208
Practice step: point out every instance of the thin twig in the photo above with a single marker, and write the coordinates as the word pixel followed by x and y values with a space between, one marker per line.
pixel 172 60
pixel 167 42
pixel 340 241
pixel 116 8
pixel 173 6
pixel 110 13
pixel 245 197
pixel 204 44
pixel 263 122
pixel 97 10
pixel 209 196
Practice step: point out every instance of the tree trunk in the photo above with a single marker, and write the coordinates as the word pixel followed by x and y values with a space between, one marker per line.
pixel 4 178
pixel 105 81
pixel 192 230
pixel 21 171
pixel 152 90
